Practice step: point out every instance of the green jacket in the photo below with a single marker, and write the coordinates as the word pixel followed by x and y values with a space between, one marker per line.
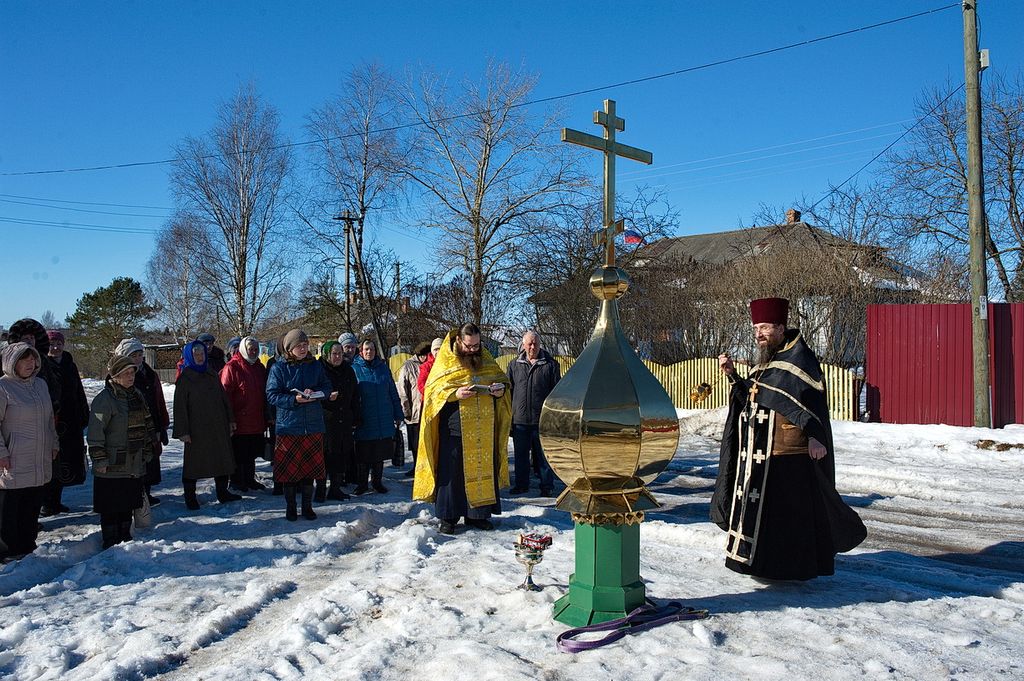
pixel 109 418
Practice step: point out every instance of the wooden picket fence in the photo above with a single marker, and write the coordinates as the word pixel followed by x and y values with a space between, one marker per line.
pixel 679 379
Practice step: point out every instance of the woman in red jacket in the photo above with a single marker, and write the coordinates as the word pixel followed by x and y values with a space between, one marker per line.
pixel 245 381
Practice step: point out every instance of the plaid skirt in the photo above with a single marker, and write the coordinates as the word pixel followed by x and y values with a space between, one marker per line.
pixel 298 458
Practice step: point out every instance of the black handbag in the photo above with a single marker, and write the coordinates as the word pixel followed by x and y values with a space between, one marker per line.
pixel 398 456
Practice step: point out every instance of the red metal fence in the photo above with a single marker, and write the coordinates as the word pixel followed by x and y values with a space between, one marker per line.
pixel 919 367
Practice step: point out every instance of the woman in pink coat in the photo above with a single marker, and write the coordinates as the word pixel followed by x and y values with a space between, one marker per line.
pixel 28 446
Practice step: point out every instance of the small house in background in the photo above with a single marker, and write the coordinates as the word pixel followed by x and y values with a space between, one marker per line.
pixel 690 292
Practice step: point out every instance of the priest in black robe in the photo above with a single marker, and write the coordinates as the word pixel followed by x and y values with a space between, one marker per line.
pixel 775 494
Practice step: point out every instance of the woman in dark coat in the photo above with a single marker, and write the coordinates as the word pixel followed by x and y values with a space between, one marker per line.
pixel 69 468
pixel 122 437
pixel 292 388
pixel 148 383
pixel 381 416
pixel 341 413
pixel 204 422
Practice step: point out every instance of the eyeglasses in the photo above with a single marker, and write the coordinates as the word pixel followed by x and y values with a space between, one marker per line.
pixel 472 347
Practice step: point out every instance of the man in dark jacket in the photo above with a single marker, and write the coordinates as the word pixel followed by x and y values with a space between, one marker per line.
pixel 533 375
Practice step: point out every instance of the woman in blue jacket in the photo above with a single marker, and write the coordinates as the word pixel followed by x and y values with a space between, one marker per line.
pixel 382 414
pixel 292 387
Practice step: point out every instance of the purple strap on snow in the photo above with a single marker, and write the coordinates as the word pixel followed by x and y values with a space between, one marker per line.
pixel 644 617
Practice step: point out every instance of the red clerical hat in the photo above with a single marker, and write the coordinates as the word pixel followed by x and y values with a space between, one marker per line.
pixel 769 311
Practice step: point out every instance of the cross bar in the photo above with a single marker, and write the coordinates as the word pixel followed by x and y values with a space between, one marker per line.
pixel 601 144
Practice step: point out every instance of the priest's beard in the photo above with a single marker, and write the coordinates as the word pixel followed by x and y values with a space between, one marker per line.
pixel 472 360
pixel 766 352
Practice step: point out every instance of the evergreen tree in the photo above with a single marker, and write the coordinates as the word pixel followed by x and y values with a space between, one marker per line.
pixel 102 318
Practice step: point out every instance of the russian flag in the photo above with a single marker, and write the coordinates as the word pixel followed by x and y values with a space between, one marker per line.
pixel 633 237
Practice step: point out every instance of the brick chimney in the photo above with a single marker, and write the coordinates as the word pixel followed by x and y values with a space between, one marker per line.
pixel 792 216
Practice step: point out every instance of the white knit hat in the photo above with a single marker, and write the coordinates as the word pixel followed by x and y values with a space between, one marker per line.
pixel 128 346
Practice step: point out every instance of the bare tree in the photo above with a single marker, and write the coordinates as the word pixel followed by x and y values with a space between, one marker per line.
pixel 929 181
pixel 486 165
pixel 172 280
pixel 231 185
pixel 48 320
pixel 358 157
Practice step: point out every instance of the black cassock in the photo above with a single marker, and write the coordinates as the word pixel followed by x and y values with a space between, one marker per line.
pixel 784 517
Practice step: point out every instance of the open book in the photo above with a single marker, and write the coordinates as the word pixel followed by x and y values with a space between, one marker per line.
pixel 315 395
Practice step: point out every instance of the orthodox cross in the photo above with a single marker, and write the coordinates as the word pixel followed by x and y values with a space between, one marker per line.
pixel 610 148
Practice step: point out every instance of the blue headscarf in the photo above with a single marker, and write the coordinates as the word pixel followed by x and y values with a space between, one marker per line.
pixel 190 361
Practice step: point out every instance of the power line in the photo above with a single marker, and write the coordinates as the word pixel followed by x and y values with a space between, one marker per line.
pixel 542 100
pixel 646 170
pixel 77 226
pixel 889 146
pixel 756 158
pixel 82 210
pixel 84 203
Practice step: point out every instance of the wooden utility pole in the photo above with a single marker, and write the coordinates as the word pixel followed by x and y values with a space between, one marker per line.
pixel 347 218
pixel 976 217
pixel 398 305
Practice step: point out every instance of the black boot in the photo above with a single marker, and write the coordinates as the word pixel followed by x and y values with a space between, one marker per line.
pixel 289 499
pixel 250 472
pixel 124 531
pixel 223 495
pixel 110 531
pixel 307 501
pixel 378 475
pixel 238 479
pixel 320 495
pixel 335 492
pixel 153 501
pixel 278 489
pixel 191 502
pixel 362 472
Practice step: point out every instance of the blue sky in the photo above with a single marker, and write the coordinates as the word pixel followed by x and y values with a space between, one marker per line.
pixel 95 83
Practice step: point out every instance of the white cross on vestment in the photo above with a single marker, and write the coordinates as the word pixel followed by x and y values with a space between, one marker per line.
pixel 759 456
pixel 754 496
pixel 739 492
pixel 762 415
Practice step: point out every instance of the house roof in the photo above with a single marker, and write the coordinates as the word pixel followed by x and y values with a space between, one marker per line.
pixel 719 248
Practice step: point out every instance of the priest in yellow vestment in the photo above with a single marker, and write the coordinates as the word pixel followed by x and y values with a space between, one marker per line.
pixel 463 449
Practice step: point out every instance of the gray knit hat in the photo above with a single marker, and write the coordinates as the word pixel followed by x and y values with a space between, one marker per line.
pixel 119 363
pixel 293 338
pixel 128 346
pixel 348 338
pixel 435 345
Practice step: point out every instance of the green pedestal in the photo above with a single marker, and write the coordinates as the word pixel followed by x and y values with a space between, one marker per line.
pixel 606 584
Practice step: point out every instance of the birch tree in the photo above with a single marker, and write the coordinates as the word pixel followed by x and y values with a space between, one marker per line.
pixel 231 184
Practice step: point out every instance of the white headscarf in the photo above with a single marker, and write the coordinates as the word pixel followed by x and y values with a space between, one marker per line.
pixel 243 350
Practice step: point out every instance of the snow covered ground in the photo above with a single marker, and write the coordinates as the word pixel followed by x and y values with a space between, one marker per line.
pixel 371 590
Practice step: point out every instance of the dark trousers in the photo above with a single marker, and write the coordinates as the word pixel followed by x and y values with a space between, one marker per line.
pixel 246 449
pixel 526 439
pixel 52 493
pixel 413 431
pixel 116 527
pixel 20 524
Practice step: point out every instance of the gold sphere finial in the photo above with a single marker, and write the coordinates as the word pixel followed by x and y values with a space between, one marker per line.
pixel 609 283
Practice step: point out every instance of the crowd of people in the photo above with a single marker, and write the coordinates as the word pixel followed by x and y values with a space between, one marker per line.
pixel 338 419
pixel 329 425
